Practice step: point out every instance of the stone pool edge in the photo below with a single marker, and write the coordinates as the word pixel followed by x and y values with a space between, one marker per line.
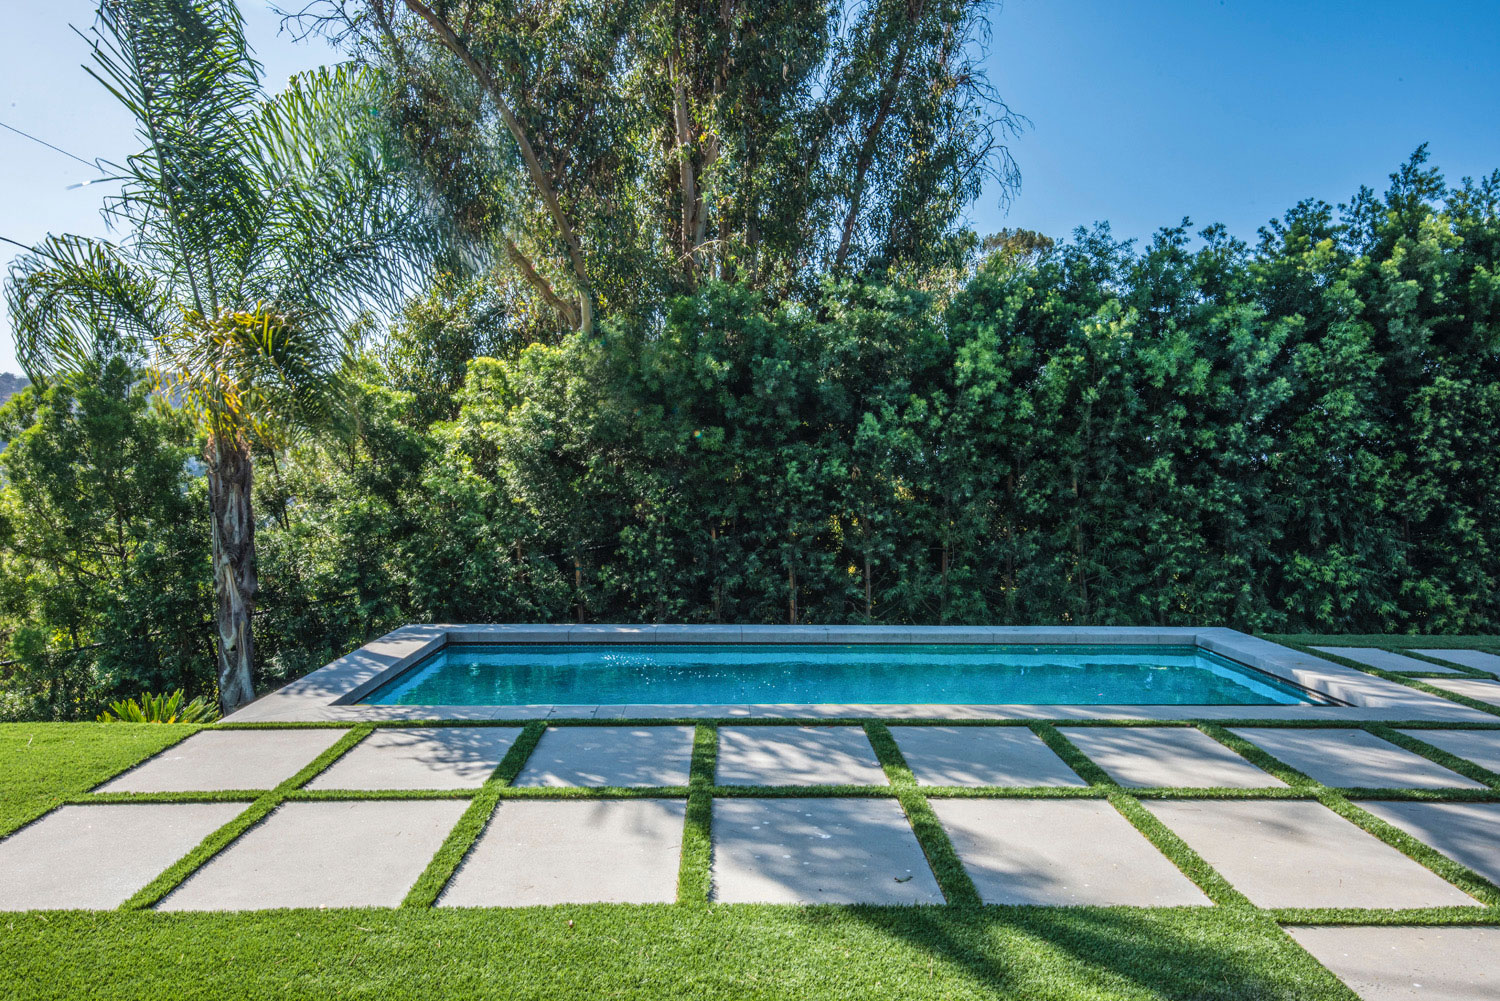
pixel 331 693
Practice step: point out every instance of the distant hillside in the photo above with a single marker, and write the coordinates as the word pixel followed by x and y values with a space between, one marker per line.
pixel 10 385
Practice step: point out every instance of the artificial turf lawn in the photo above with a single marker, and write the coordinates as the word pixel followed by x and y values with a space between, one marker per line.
pixel 659 951
pixel 43 763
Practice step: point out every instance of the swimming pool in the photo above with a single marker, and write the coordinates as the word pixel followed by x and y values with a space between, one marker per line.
pixel 518 674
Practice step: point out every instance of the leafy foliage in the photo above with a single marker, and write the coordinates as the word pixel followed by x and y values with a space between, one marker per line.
pixel 608 156
pixel 258 231
pixel 172 708
pixel 1265 437
pixel 103 572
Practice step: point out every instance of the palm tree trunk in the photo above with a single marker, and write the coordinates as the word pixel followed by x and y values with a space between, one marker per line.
pixel 229 477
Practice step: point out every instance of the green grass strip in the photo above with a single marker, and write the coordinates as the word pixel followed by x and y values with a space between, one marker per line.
pixel 471 824
pixel 824 791
pixel 340 747
pixel 1193 865
pixel 1400 642
pixel 1437 755
pixel 1414 916
pixel 194 796
pixel 43 765
pixel 952 878
pixel 1075 759
pixel 1459 875
pixel 694 871
pixel 1257 756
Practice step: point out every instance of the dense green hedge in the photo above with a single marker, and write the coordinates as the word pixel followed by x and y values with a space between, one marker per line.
pixel 1303 435
pixel 1296 436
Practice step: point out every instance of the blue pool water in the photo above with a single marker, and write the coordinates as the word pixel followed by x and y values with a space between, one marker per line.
pixel 763 674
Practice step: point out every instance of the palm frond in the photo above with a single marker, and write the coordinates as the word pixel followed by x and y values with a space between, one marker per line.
pixel 344 231
pixel 75 302
pixel 186 73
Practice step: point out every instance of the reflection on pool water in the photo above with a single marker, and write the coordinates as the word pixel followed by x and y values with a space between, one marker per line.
pixel 857 674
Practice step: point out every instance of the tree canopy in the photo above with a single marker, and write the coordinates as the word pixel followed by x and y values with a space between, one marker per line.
pixel 610 156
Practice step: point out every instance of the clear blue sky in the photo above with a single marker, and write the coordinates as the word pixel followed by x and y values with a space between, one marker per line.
pixel 1143 111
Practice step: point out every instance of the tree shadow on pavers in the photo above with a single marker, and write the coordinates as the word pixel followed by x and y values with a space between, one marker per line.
pixel 1183 954
pixel 441 748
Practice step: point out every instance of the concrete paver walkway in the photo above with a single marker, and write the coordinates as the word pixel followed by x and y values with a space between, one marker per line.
pixel 1059 851
pixel 440 757
pixel 1048 846
pixel 797 756
pixel 356 853
pixel 818 851
pixel 1383 659
pixel 1167 756
pixel 610 756
pixel 1482 747
pixel 573 852
pixel 98 856
pixel 1465 832
pixel 1289 853
pixel 227 759
pixel 1409 964
pixel 981 756
pixel 1473 688
pixel 1354 758
pixel 1477 659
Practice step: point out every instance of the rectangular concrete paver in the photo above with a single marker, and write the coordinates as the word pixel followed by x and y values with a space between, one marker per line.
pixel 1167 756
pixel 1298 853
pixel 797 756
pixel 818 851
pixel 1482 747
pixel 227 759
pixel 1383 659
pixel 1060 852
pixel 1353 758
pixel 97 856
pixel 1472 688
pixel 353 853
pixel 1408 964
pixel 1477 659
pixel 622 851
pixel 1465 832
pixel 610 756
pixel 981 756
pixel 439 757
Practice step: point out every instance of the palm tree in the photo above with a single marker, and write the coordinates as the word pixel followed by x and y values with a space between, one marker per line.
pixel 256 230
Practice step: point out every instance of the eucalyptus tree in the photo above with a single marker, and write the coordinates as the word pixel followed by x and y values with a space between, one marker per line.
pixel 254 230
pixel 611 155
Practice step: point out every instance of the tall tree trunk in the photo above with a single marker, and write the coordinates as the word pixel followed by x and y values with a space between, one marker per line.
pixel 229 477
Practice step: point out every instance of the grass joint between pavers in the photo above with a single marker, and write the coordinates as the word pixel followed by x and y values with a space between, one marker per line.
pixel 695 868
pixel 455 848
pixel 947 868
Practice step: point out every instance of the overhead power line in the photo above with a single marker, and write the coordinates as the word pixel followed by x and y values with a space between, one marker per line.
pixel 57 149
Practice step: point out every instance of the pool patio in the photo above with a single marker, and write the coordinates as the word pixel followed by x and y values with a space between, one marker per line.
pixel 1369 834
pixel 333 693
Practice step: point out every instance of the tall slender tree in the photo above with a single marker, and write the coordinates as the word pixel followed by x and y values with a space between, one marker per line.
pixel 611 155
pixel 254 229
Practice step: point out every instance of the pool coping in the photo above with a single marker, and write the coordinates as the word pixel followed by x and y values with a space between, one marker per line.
pixel 332 693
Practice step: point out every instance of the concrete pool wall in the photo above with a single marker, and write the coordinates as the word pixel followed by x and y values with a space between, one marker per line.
pixel 332 693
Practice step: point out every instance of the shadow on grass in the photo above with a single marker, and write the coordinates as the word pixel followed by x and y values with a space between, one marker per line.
pixel 1197 953
pixel 735 953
